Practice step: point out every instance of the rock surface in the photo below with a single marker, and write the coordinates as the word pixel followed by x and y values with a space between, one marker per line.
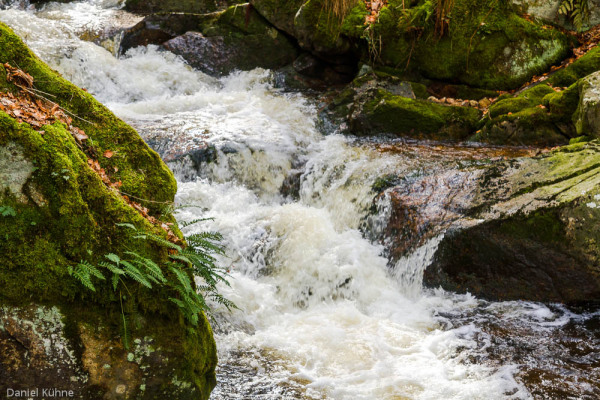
pixel 547 10
pixel 531 231
pixel 588 111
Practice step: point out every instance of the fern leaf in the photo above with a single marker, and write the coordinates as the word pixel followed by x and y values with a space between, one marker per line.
pixel 90 269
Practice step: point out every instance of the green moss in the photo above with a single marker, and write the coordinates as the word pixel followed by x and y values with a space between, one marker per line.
pixel 543 226
pixel 400 115
pixel 511 105
pixel 139 168
pixel 488 45
pixel 563 104
pixel 65 214
pixel 582 67
pixel 354 24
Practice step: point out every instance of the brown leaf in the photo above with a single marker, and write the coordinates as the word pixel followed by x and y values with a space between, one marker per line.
pixel 108 154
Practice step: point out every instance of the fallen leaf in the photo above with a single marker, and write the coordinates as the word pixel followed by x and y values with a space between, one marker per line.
pixel 108 154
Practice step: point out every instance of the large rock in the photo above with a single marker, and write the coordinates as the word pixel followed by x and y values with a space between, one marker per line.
pixel 62 196
pixel 588 112
pixel 538 116
pixel 529 231
pixel 218 43
pixel 374 105
pixel 484 45
pixel 547 10
pixel 312 24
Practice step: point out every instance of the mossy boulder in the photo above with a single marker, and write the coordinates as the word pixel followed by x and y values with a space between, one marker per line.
pixel 486 44
pixel 587 117
pixel 538 116
pixel 314 25
pixel 375 105
pixel 533 232
pixel 582 67
pixel 61 211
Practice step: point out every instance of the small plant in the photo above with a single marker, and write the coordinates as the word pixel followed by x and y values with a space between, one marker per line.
pixel 197 258
pixel 7 211
pixel 578 11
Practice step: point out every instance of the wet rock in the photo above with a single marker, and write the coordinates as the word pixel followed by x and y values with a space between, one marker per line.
pixel 187 6
pixel 236 39
pixel 142 34
pixel 588 111
pixel 329 74
pixel 531 233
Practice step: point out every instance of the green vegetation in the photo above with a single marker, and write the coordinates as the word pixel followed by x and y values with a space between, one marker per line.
pixel 578 11
pixel 61 212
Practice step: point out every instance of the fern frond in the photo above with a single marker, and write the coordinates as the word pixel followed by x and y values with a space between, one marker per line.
pixel 90 269
pixel 150 266
pixel 134 273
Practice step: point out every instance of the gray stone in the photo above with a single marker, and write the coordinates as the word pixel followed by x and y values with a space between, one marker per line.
pixel 587 116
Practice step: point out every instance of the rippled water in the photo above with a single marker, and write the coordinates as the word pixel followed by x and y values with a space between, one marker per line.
pixel 323 314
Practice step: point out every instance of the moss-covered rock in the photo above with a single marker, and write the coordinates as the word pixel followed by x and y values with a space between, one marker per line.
pixel 487 44
pixel 538 116
pixel 587 116
pixel 375 104
pixel 314 25
pixel 540 237
pixel 63 212
pixel 582 67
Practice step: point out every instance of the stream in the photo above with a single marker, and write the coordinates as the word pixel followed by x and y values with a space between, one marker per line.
pixel 323 313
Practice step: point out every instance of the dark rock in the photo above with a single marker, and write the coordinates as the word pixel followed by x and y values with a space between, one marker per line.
pixel 154 6
pixel 236 39
pixel 372 105
pixel 143 34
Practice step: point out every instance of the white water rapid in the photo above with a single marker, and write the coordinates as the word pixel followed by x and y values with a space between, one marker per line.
pixel 322 315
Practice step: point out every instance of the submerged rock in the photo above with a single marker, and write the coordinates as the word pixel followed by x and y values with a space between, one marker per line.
pixel 64 188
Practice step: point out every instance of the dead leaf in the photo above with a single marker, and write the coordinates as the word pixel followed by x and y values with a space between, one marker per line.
pixel 108 154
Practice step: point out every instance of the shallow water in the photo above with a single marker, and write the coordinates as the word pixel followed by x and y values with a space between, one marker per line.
pixel 323 313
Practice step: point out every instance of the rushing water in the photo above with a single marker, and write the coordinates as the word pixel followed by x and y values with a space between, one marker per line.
pixel 322 314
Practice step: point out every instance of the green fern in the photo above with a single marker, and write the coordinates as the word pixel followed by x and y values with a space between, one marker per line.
pixel 197 259
pixel 83 272
pixel 578 11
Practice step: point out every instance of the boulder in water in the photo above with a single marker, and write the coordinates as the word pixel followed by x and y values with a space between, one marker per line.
pixel 535 225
